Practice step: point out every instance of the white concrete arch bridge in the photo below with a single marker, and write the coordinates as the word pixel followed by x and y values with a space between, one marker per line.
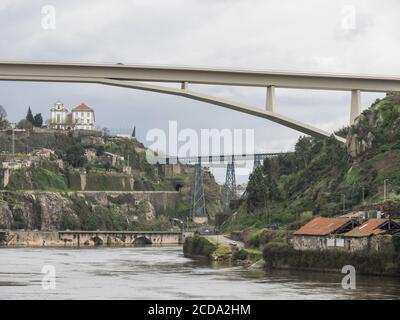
pixel 128 76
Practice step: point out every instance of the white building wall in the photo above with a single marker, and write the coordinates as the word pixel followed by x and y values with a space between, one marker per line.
pixel 83 120
pixel 58 116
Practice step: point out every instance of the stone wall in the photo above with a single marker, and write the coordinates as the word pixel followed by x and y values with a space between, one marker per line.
pixel 100 181
pixel 160 200
pixel 171 170
pixel 309 242
pixel 374 243
pixel 352 244
pixel 88 238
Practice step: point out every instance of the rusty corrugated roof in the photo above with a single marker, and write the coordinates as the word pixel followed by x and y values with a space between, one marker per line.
pixel 320 226
pixel 368 228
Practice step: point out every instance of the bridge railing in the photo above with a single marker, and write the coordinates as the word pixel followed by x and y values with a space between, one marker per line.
pixel 217 159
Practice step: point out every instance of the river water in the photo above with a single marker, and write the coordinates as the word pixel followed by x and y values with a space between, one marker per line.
pixel 164 273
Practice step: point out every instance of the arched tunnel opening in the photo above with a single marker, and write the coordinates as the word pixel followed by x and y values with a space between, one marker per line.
pixel 178 186
pixel 142 240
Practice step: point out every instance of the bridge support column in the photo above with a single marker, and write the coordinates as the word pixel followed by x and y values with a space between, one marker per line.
pixel 198 211
pixel 355 108
pixel 184 85
pixel 257 161
pixel 270 104
pixel 230 184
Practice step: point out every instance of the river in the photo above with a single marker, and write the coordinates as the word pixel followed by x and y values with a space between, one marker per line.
pixel 164 273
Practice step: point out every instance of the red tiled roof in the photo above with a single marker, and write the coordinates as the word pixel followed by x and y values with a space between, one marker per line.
pixel 368 228
pixel 320 226
pixel 82 107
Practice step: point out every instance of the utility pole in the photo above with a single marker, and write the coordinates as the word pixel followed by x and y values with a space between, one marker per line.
pixel 13 139
pixel 385 190
pixel 344 202
pixel 268 211
pixel 363 196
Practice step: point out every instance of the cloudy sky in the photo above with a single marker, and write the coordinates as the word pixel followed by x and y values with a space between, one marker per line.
pixel 361 37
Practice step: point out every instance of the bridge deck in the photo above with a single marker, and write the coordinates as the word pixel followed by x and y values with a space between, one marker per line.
pixel 44 71
pixel 118 232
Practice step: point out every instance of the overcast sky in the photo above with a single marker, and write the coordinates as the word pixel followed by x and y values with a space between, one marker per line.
pixel 302 35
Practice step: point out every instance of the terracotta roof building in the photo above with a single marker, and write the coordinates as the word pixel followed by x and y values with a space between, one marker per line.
pixel 374 227
pixel 83 117
pixel 324 226
pixel 374 234
pixel 322 233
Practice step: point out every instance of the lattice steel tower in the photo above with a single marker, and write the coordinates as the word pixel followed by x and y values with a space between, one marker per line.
pixel 230 184
pixel 258 160
pixel 198 205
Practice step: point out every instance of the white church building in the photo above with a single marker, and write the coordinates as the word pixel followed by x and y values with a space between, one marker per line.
pixel 80 118
pixel 58 116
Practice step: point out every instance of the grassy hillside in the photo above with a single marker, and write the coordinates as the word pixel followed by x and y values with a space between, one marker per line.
pixel 64 171
pixel 323 176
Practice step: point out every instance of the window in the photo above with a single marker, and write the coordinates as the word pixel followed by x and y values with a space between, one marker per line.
pixel 331 242
pixel 340 242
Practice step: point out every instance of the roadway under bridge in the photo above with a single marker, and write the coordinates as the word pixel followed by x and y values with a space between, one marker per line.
pixel 129 76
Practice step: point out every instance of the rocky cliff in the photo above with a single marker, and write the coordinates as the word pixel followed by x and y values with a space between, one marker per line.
pixel 86 210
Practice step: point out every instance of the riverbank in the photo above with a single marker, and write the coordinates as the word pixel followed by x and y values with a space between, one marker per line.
pixel 284 257
pixel 34 239
pixel 221 250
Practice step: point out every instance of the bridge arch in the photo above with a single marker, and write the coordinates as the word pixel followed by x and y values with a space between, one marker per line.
pixel 142 240
pixel 126 76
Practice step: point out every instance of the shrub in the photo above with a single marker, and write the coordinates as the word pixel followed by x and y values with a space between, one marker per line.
pixel 366 262
pixel 198 246
pixel 396 242
pixel 240 255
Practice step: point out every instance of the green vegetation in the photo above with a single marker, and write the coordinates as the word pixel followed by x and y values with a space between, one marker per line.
pixel 247 254
pixel 323 176
pixel 37 178
pixel 259 238
pixel 198 246
pixel 120 214
pixel 101 174
pixel 365 262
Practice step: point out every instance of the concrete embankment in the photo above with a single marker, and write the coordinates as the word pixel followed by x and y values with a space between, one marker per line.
pixel 10 238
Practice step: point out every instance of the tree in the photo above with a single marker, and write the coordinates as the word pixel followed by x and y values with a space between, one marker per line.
pixel 29 116
pixel 100 150
pixel 106 132
pixel 75 156
pixel 24 124
pixel 4 124
pixel 3 113
pixel 303 150
pixel 38 120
